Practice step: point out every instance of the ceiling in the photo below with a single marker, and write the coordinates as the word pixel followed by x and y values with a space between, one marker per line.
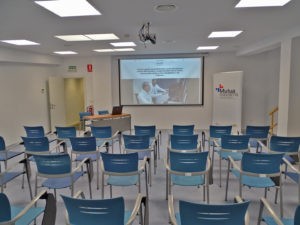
pixel 180 31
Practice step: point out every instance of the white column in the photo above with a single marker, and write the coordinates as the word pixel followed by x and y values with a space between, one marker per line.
pixel 284 87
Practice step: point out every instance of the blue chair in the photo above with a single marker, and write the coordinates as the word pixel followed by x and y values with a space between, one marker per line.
pixel 233 146
pixel 141 144
pixel 57 169
pixel 196 214
pixel 257 170
pixel 273 218
pixel 294 174
pixel 103 112
pixel 39 146
pixel 105 135
pixel 18 215
pixel 122 170
pixel 34 131
pixel 188 169
pixel 7 153
pixel 257 133
pixel 153 134
pixel 101 212
pixel 86 147
pixel 183 129
pixel 64 134
pixel 82 120
pixel 186 143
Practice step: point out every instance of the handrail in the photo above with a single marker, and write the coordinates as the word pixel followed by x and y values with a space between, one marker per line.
pixel 273 123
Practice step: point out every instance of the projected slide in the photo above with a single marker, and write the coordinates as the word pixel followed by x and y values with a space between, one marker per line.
pixel 167 81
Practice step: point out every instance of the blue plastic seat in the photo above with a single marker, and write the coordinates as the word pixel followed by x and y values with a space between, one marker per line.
pixel 17 215
pixel 186 143
pixel 183 129
pixel 231 146
pixel 7 154
pixel 141 144
pixel 86 147
pixel 149 130
pixel 103 112
pixel 101 212
pixel 257 170
pixel 273 219
pixel 188 170
pixel 208 214
pixel 122 170
pixel 57 169
pixel 257 133
pixel 104 135
pixel 34 131
pixel 65 133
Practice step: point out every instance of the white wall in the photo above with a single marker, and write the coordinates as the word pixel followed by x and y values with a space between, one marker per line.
pixel 294 104
pixel 21 99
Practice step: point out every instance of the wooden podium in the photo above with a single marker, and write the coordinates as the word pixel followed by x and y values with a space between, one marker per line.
pixel 121 122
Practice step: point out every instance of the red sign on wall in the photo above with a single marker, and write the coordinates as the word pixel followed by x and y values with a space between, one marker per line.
pixel 89 68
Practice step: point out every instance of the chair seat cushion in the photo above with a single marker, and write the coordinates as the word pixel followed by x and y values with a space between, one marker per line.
pixel 187 180
pixel 270 221
pixel 251 181
pixel 57 183
pixel 8 177
pixel 123 180
pixel 9 155
pixel 29 217
pixel 91 156
pixel 236 156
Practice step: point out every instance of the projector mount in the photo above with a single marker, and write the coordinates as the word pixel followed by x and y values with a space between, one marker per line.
pixel 145 35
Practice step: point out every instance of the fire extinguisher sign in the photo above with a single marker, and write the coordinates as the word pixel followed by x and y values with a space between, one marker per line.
pixel 89 68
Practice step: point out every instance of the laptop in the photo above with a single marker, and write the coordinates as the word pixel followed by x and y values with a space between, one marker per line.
pixel 117 110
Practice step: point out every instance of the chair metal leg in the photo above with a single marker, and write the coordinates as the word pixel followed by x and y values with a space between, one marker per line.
pixel 240 187
pixel 55 194
pixel 36 186
pixel 276 195
pixel 204 193
pixel 220 165
pixel 167 184
pixel 227 180
pixel 280 196
pixel 266 192
pixel 207 192
pixel 102 186
pixel 260 213
pixel 110 190
pixel 139 184
pixel 150 173
pixel 97 164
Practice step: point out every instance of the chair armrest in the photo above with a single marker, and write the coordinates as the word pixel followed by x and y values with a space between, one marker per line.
pixel 291 166
pixel 263 146
pixel 271 211
pixel 152 144
pixel 235 165
pixel 79 194
pixel 171 210
pixel 135 210
pixel 216 144
pixel 143 164
pixel 115 135
pixel 85 160
pixel 57 145
pixel 28 206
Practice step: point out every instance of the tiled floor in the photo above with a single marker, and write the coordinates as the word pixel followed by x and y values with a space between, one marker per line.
pixel 158 203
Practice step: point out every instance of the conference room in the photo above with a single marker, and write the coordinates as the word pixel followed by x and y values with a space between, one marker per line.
pixel 149 112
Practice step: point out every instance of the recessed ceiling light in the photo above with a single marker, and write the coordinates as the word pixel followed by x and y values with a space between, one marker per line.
pixel 261 3
pixel 68 8
pixel 98 37
pixel 224 34
pixel 66 53
pixel 165 8
pixel 104 50
pixel 73 37
pixel 123 44
pixel 124 49
pixel 20 42
pixel 207 48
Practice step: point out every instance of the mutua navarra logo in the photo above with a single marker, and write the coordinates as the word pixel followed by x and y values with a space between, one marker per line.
pixel 226 92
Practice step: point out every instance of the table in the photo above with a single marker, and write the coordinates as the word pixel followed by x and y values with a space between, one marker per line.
pixel 121 122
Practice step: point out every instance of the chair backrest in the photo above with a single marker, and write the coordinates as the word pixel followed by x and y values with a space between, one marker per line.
pixel 53 164
pixel 235 142
pixel 83 144
pixel 65 132
pixel 259 132
pixel 2 144
pixel 103 112
pixel 34 131
pixel 261 163
pixel 83 114
pixel 191 162
pixel 101 132
pixel 145 130
pixel 5 208
pixel 284 144
pixel 297 216
pixel 186 142
pixel 119 163
pixel 219 131
pixel 183 129
pixel 95 212
pixel 136 141
pixel 36 144
pixel 227 214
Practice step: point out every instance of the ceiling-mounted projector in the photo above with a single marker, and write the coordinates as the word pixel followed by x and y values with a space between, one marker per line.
pixel 145 35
